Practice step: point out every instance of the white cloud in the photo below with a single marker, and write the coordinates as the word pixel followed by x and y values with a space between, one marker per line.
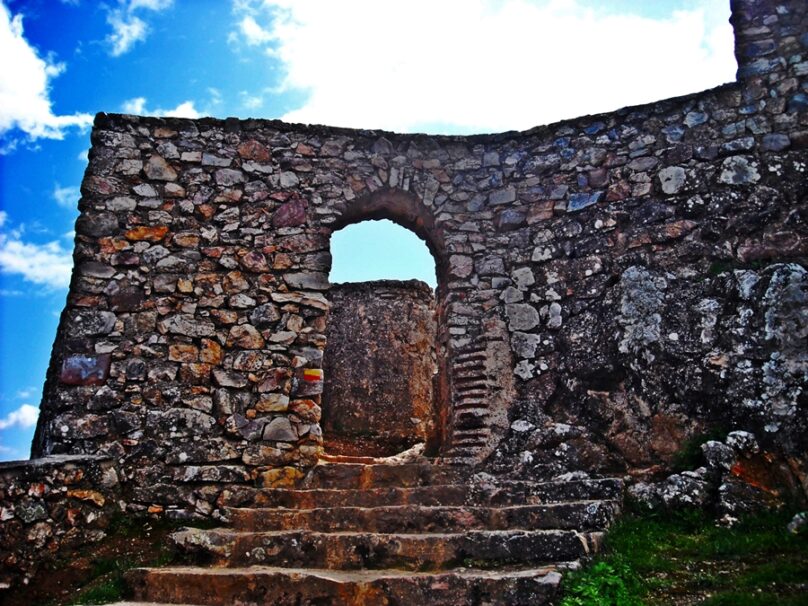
pixel 253 33
pixel 24 417
pixel 129 28
pixel 67 196
pixel 25 80
pixel 3 217
pixel 135 106
pixel 186 109
pixel 152 5
pixel 26 393
pixel 48 264
pixel 249 101
pixel 481 65
pixel 126 31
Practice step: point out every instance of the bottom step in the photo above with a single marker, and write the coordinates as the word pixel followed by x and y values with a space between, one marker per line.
pixel 259 585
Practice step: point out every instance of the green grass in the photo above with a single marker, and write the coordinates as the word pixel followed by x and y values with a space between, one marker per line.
pixel 689 456
pixel 650 557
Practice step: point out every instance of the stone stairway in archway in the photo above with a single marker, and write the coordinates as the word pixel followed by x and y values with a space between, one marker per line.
pixel 365 534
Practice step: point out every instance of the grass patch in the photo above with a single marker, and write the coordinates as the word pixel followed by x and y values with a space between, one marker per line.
pixel 684 557
pixel 94 574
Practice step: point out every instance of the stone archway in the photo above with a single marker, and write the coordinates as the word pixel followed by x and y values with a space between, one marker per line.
pixel 375 400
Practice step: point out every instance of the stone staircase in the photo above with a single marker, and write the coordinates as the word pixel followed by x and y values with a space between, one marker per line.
pixel 373 534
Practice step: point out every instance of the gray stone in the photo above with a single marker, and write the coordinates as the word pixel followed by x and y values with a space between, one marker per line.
pixel 308 280
pixel 491 266
pixel 776 142
pixel 672 179
pixel 265 316
pixel 94 269
pixel 522 316
pixel 187 324
pixel 554 319
pixel 524 344
pixel 461 266
pixel 121 203
pixel 718 455
pixel 97 224
pixel 511 218
pixel 742 442
pixel 738 170
pixel 512 295
pixel 229 177
pixel 227 378
pixel 695 118
pixel 213 160
pixel 502 196
pixel 154 253
pixel 289 179
pixel 280 429
pixel 90 323
pixel 523 277
pixel 158 169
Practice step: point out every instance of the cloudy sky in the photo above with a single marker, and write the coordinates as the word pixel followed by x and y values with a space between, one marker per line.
pixel 438 66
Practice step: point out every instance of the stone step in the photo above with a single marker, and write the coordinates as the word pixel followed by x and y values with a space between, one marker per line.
pixel 493 494
pixel 366 550
pixel 256 586
pixel 354 475
pixel 581 515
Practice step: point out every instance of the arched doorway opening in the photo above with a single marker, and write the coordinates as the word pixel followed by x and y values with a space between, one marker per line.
pixel 381 358
pixel 383 388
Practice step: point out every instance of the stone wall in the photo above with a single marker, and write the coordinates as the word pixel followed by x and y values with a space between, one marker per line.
pixel 50 505
pixel 608 285
pixel 379 367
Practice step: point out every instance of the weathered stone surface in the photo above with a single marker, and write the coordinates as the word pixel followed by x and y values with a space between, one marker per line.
pixel 186 324
pixel 307 280
pixel 280 430
pixel 607 286
pixel 672 179
pixel 290 214
pixel 245 336
pixel 522 316
pixel 150 234
pixel 739 170
pixel 158 169
pixel 85 370
pixel 92 323
pixel 379 364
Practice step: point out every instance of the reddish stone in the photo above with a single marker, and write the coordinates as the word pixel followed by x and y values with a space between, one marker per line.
pixel 128 298
pixel 183 352
pixel 254 261
pixel 290 214
pixel 253 150
pixel 275 379
pixel 245 336
pixel 85 370
pixel 308 410
pixel 618 191
pixel 211 352
pixel 150 234
pixel 540 211
pixel 598 177
pixel 205 211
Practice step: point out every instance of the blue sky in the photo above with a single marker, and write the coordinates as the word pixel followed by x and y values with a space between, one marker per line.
pixel 439 66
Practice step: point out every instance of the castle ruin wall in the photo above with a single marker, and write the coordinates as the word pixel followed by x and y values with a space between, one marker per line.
pixel 609 285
